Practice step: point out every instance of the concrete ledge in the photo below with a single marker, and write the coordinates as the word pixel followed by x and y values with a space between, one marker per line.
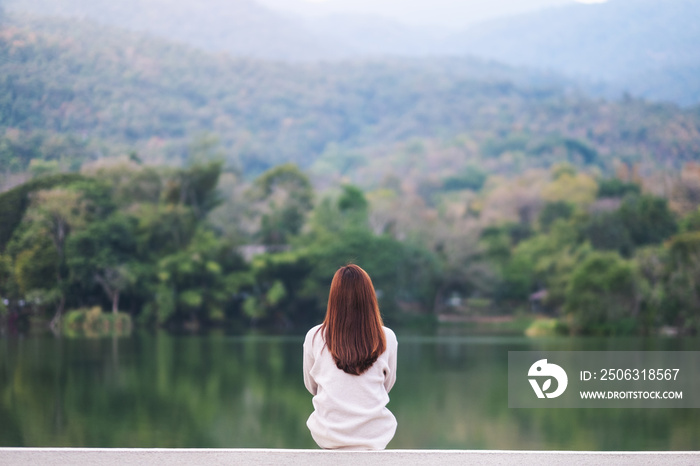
pixel 211 457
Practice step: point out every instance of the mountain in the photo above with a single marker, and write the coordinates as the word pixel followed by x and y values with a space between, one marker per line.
pixel 649 48
pixel 72 90
pixel 245 28
pixel 240 27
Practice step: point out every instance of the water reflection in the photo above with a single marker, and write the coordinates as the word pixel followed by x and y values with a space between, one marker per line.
pixel 226 391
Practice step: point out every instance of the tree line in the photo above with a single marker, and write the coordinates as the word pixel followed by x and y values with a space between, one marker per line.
pixel 199 246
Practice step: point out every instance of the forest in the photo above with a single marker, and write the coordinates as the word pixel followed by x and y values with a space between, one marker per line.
pixel 169 247
pixel 150 182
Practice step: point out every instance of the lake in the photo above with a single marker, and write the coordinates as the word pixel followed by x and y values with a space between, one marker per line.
pixel 220 391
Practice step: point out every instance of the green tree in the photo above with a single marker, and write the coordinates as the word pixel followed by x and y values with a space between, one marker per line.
pixel 274 295
pixel 640 221
pixel 602 295
pixel 683 282
pixel 57 212
pixel 608 231
pixel 648 219
pixel 553 211
pixel 283 197
pixel 195 188
pixel 15 202
pixel 102 253
pixel 544 261
pixel 198 282
pixel 652 264
pixel 691 222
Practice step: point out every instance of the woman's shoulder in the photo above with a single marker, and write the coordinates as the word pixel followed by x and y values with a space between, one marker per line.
pixel 390 335
pixel 312 333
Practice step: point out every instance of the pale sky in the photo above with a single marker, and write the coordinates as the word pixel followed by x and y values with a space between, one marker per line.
pixel 445 13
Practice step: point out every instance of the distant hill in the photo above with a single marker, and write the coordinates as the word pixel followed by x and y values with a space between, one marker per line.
pixel 245 28
pixel 651 48
pixel 77 88
pixel 242 28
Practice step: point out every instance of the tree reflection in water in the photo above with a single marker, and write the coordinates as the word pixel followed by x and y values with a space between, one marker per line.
pixel 220 391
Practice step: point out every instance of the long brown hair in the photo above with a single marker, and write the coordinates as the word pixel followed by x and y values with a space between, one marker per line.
pixel 353 325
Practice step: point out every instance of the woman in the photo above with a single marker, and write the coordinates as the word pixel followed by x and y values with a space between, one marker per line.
pixel 350 366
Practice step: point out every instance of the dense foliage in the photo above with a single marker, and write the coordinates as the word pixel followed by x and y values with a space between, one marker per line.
pixel 461 191
pixel 136 238
pixel 153 242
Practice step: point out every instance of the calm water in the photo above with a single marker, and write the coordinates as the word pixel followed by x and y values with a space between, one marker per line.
pixel 226 391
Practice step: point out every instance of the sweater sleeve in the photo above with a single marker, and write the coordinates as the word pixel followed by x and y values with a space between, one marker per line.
pixel 309 382
pixel 392 347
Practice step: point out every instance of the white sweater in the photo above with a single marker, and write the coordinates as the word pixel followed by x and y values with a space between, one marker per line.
pixel 349 410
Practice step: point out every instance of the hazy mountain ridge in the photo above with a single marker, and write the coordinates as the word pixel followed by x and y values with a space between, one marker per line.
pixel 645 47
pixel 119 91
pixel 628 43
pixel 240 27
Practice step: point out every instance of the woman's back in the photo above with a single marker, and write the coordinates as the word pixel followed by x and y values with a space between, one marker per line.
pixel 349 410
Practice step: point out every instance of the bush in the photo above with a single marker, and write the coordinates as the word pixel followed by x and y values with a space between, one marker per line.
pixel 93 323
pixel 546 328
